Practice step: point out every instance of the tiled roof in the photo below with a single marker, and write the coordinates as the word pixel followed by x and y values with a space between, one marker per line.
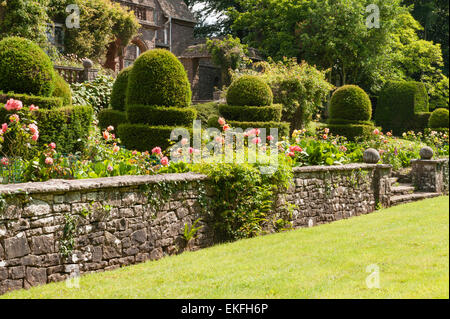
pixel 177 9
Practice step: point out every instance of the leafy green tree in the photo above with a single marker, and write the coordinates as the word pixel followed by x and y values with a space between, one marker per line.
pixel 24 18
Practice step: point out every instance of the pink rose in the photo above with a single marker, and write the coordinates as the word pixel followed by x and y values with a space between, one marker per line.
pixel 35 136
pixel 12 105
pixel 33 108
pixel 110 128
pixel 376 132
pixel 33 128
pixel 4 127
pixel 134 153
pixel 184 141
pixel 256 140
pixel 164 161
pixel 291 154
pixel 105 135
pixel 221 121
pixel 116 149
pixel 14 118
pixel 156 150
pixel 219 139
pixel 110 168
pixel 5 161
pixel 52 145
pixel 226 127
pixel 191 150
pixel 270 138
pixel 49 161
pixel 326 130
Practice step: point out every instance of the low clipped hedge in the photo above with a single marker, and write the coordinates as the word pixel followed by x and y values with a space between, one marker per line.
pixel 142 137
pixel 439 119
pixel 67 126
pixel 283 127
pixel 157 115
pixel 399 102
pixel 342 121
pixel 351 131
pixel 27 100
pixel 421 120
pixel 119 90
pixel 158 78
pixel 249 90
pixel 62 90
pixel 251 113
pixel 25 68
pixel 350 102
pixel 109 117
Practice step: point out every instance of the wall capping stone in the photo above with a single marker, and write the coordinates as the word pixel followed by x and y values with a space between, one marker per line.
pixel 347 167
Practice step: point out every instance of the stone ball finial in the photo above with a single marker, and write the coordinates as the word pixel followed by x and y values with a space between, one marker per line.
pixel 87 63
pixel 426 153
pixel 371 156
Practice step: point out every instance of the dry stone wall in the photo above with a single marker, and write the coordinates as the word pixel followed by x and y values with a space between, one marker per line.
pixel 59 229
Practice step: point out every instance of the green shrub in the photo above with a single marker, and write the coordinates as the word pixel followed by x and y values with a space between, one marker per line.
pixel 62 90
pixel 342 121
pixel 67 126
pixel 249 90
pixel 119 90
pixel 27 100
pixel 161 115
pixel 251 113
pixel 25 68
pixel 397 106
pixel 350 102
pixel 421 120
pixel 109 117
pixel 95 93
pixel 439 119
pixel 158 78
pixel 206 110
pixel 351 131
pixel 142 137
pixel 283 127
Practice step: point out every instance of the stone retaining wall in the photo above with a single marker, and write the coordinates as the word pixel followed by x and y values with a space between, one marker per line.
pixel 431 175
pixel 118 221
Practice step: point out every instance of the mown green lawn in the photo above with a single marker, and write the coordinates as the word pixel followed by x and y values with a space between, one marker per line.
pixel 409 244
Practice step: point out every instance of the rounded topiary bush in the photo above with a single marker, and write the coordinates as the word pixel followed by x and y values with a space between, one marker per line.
pixel 25 68
pixel 350 102
pixel 249 90
pixel 439 118
pixel 119 90
pixel 62 90
pixel 158 78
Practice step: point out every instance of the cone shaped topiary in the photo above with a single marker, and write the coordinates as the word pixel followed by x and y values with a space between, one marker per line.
pixel 25 68
pixel 158 78
pixel 249 90
pixel 119 90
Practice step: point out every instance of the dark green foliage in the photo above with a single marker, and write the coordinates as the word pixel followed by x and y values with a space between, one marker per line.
pixel 341 121
pixel 25 68
pixel 109 117
pixel 398 104
pixel 351 131
pixel 62 90
pixel 119 90
pixel 439 119
pixel 158 78
pixel 206 110
pixel 67 126
pixel 157 115
pixel 251 113
pixel 27 100
pixel 249 90
pixel 421 120
pixel 142 137
pixel 350 102
pixel 95 93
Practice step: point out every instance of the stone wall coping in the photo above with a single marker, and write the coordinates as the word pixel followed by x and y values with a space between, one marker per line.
pixel 62 186
pixel 347 167
pixel 430 161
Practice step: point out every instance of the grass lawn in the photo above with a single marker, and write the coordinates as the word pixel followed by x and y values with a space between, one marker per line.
pixel 409 244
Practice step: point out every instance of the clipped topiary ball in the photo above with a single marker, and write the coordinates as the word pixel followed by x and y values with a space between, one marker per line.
pixel 350 102
pixel 62 90
pixel 25 68
pixel 249 90
pixel 158 78
pixel 119 90
pixel 438 119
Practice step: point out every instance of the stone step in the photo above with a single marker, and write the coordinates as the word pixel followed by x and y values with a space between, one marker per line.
pixel 403 189
pixel 402 199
